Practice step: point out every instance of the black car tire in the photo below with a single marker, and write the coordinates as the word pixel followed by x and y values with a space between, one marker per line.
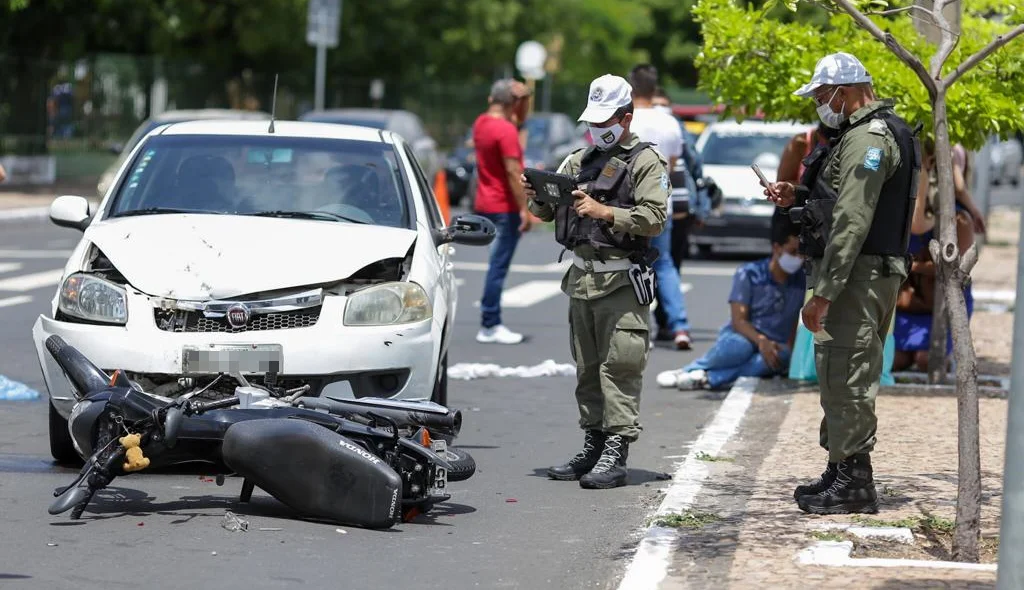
pixel 61 447
pixel 463 465
pixel 440 395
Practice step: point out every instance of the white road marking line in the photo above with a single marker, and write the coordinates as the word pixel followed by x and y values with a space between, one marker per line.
pixel 528 293
pixel 62 254
pixel 9 266
pixel 18 300
pixel 554 267
pixel 460 282
pixel 32 281
pixel 654 555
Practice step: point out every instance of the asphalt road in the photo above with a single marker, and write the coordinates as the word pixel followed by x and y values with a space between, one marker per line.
pixel 508 526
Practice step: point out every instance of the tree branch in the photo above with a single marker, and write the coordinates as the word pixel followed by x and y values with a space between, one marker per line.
pixel 901 52
pixel 948 43
pixel 969 259
pixel 986 51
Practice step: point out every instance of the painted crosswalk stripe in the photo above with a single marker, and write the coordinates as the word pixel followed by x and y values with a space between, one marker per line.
pixel 528 293
pixel 60 254
pixel 32 281
pixel 9 266
pixel 11 301
pixel 560 267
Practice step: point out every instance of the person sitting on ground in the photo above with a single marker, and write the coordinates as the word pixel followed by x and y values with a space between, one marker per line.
pixel 916 298
pixel 765 301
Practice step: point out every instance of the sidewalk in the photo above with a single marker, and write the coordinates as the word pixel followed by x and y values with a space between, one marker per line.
pixel 23 202
pixel 747 531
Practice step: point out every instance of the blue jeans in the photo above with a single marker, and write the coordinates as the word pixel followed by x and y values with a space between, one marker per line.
pixel 733 356
pixel 502 249
pixel 670 297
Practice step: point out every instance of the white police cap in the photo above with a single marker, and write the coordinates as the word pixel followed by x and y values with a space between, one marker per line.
pixel 837 69
pixel 607 94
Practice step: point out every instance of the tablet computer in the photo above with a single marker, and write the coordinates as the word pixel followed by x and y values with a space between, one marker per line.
pixel 551 187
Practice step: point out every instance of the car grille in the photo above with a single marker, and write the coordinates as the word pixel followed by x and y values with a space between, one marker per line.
pixel 170 320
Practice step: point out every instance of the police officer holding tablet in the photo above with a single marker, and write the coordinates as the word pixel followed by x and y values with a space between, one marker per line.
pixel 621 202
pixel 856 200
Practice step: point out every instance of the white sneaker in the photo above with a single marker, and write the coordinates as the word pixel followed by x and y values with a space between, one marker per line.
pixel 681 379
pixel 695 379
pixel 498 335
pixel 669 378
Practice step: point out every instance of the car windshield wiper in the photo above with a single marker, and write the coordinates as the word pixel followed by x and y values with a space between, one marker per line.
pixel 327 215
pixel 158 211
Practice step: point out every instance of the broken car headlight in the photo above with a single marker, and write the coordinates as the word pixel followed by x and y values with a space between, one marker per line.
pixel 91 298
pixel 387 304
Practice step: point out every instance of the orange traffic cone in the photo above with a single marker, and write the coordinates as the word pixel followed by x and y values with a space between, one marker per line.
pixel 441 194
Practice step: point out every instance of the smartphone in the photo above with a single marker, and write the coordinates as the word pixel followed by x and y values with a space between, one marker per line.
pixel 764 179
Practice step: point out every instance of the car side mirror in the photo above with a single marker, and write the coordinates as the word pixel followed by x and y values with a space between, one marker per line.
pixel 70 211
pixel 472 230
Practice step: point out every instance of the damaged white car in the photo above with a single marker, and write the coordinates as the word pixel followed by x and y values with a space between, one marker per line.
pixel 297 254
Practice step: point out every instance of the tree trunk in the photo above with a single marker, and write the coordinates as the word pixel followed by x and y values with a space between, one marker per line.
pixel 937 335
pixel 953 276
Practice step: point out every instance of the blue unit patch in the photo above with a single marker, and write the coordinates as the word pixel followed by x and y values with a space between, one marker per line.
pixel 664 181
pixel 873 158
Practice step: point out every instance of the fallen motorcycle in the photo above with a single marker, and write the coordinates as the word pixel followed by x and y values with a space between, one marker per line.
pixel 357 462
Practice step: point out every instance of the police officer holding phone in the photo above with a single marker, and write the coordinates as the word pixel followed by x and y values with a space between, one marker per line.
pixel 855 203
pixel 621 202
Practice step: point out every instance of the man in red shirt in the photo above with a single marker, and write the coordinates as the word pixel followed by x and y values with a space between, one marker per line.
pixel 500 197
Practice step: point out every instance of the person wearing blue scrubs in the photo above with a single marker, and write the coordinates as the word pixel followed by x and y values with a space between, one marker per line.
pixel 765 303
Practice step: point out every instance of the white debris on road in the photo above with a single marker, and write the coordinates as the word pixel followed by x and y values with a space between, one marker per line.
pixel 548 368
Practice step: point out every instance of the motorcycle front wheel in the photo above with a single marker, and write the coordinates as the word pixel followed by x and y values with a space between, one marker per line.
pixel 463 466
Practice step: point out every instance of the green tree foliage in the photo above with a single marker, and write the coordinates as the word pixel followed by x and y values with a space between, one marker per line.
pixel 753 61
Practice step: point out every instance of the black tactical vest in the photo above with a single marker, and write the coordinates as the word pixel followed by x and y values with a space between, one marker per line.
pixel 607 176
pixel 889 234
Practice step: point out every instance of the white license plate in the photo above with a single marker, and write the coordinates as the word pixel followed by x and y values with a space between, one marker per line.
pixel 243 358
pixel 440 483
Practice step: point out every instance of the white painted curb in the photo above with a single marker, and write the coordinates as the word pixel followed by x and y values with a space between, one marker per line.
pixel 654 555
pixel 837 554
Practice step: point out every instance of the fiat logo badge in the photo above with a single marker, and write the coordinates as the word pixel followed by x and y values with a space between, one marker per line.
pixel 238 315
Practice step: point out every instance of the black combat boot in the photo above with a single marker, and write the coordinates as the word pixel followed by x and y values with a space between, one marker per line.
pixel 853 490
pixel 819 485
pixel 610 471
pixel 583 462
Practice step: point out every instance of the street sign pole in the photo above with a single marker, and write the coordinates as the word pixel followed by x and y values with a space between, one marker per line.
pixel 322 31
pixel 1011 533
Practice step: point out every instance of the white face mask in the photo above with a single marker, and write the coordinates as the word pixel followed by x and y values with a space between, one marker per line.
pixel 789 263
pixel 828 117
pixel 606 137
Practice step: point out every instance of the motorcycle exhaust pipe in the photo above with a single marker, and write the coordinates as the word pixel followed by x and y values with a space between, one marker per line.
pixel 446 423
pixel 85 377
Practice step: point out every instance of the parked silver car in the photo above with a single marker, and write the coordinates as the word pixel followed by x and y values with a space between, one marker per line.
pixel 1007 159
pixel 177 116
pixel 404 123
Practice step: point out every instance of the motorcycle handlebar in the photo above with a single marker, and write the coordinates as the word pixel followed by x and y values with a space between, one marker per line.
pixel 201 407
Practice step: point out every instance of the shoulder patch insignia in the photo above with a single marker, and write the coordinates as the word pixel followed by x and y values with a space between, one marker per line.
pixel 878 127
pixel 664 181
pixel 872 158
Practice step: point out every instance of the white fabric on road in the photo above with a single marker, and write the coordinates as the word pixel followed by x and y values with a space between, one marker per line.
pixel 549 368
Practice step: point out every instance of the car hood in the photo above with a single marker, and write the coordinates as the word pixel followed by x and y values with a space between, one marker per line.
pixel 199 257
pixel 738 181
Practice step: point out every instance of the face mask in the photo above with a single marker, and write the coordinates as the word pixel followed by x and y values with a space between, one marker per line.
pixel 606 137
pixel 828 117
pixel 789 263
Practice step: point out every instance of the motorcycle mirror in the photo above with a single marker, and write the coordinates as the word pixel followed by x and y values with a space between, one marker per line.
pixel 68 500
pixel 172 425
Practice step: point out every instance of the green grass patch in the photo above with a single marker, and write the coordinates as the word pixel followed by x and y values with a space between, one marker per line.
pixel 690 519
pixel 702 456
pixel 919 524
pixel 828 536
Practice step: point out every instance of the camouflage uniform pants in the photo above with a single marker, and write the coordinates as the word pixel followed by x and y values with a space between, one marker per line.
pixel 850 365
pixel 609 341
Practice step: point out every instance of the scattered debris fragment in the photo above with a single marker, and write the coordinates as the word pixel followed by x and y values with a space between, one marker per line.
pixel 271 528
pixel 233 523
pixel 51 544
pixel 511 500
pixel 342 531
